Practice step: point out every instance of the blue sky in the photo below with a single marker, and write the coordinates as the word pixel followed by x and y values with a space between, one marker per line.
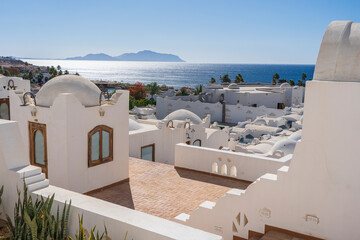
pixel 227 31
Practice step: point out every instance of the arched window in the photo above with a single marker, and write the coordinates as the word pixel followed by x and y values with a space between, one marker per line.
pixel 214 168
pixel 100 145
pixel 224 170
pixel 4 108
pixel 197 142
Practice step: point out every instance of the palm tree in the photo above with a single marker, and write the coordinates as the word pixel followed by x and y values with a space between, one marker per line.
pixel 198 89
pixel 213 80
pixel 225 79
pixel 153 88
pixel 239 79
pixel 303 76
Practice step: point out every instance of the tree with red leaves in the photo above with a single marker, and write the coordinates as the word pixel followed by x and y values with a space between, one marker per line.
pixel 137 91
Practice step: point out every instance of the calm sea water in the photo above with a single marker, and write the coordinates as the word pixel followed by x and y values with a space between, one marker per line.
pixel 175 74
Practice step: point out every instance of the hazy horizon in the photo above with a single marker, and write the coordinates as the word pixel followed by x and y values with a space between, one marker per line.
pixel 232 31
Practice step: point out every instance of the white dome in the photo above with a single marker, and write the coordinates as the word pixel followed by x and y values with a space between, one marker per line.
pixel 295 136
pixel 134 125
pixel 84 90
pixel 286 146
pixel 285 85
pixel 233 86
pixel 182 115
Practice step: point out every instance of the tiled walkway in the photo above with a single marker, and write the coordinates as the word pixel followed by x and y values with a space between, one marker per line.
pixel 163 191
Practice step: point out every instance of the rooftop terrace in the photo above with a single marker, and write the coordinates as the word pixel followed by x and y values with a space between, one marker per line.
pixel 161 190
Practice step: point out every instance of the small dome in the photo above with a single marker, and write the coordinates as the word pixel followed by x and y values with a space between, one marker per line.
pixel 83 89
pixel 134 125
pixel 285 85
pixel 286 146
pixel 182 115
pixel 295 136
pixel 233 86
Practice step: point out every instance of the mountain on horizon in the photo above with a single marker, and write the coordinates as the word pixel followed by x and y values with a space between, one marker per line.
pixel 146 56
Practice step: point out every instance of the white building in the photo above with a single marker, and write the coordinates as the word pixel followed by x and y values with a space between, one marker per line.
pixel 155 140
pixel 7 84
pixel 80 143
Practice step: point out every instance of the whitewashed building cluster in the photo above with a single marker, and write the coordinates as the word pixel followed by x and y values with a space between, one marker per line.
pixel 69 140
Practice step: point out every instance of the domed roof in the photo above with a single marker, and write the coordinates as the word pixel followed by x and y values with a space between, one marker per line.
pixel 134 125
pixel 83 89
pixel 233 86
pixel 285 85
pixel 182 115
pixel 286 146
pixel 296 136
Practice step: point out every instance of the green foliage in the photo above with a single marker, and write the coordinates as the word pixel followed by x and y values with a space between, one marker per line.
pixel 239 79
pixel 212 80
pixel 33 220
pixel 291 82
pixel 40 77
pixel 301 83
pixel 131 102
pixel 144 102
pixel 303 76
pixel 276 77
pixel 225 79
pixel 198 89
pixel 183 92
pixel 66 72
pixel 153 88
pixel 82 234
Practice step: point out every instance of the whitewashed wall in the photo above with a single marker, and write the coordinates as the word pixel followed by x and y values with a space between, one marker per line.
pixel 21 85
pixel 242 166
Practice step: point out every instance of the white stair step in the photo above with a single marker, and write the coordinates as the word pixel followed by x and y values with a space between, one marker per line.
pixel 38 185
pixel 268 176
pixel 235 192
pixel 182 217
pixel 27 171
pixel 281 172
pixel 36 178
pixel 208 205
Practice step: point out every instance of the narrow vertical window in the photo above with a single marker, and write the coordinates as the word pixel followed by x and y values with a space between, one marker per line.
pixel 100 145
pixel 4 108
pixel 38 148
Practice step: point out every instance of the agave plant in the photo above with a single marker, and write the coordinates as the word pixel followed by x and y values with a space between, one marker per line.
pixel 83 234
pixel 33 220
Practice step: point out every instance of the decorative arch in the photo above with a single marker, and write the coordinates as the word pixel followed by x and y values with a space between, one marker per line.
pixel 170 124
pixel 214 168
pixel 197 142
pixel 233 171
pixel 224 170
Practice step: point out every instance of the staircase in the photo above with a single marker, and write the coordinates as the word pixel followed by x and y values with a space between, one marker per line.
pixel 33 177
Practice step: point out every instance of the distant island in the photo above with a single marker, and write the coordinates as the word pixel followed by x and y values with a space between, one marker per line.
pixel 146 56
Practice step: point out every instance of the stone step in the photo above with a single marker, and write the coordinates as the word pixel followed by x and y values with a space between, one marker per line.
pixel 38 185
pixel 281 172
pixel 36 178
pixel 182 217
pixel 208 205
pixel 27 171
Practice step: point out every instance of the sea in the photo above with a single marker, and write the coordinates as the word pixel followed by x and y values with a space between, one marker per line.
pixel 176 74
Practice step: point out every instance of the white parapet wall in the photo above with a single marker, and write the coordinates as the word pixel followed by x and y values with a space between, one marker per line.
pixel 234 113
pixel 242 166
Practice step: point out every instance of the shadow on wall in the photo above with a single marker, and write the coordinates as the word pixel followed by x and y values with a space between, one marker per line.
pixel 212 178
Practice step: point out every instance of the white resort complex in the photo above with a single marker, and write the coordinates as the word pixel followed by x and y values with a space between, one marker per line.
pixel 238 161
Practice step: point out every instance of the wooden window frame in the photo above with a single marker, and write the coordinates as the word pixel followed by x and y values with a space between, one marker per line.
pixel 195 141
pixel 101 160
pixel 6 100
pixel 33 127
pixel 153 152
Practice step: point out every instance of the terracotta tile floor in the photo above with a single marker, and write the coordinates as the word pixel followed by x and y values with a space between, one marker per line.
pixel 163 191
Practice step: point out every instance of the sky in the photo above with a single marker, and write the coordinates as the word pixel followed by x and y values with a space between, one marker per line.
pixel 221 31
